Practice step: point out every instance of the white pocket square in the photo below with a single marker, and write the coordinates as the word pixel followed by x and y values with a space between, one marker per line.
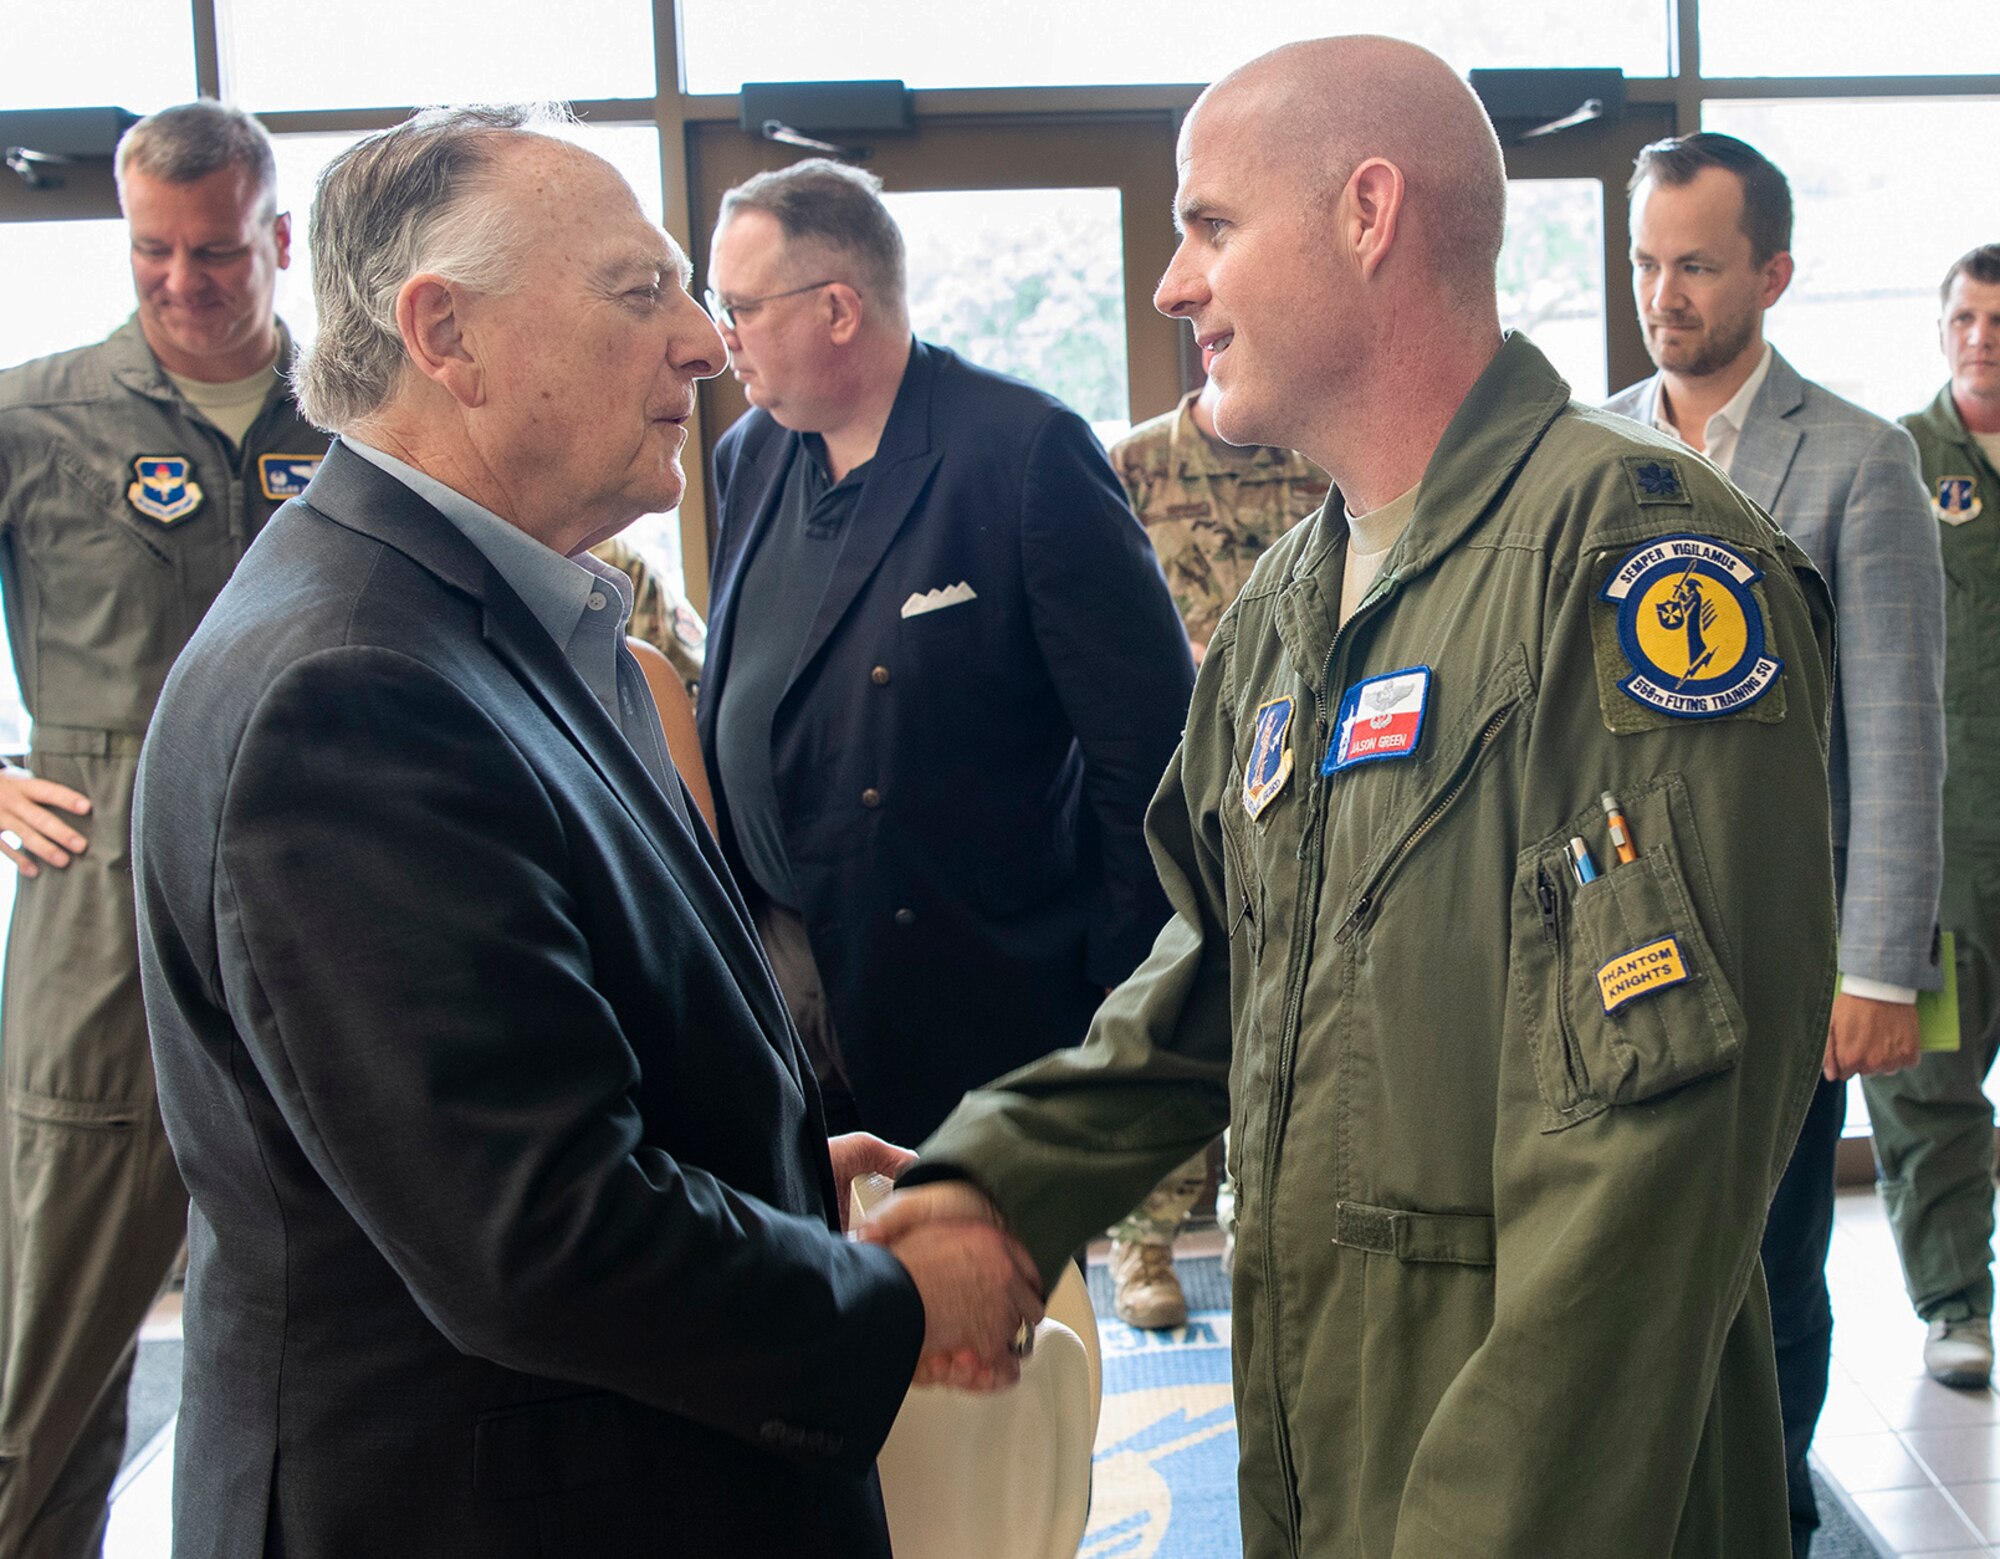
pixel 936 600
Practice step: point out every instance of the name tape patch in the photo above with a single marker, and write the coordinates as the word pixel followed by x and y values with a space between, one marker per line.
pixel 1270 762
pixel 1691 628
pixel 1641 972
pixel 1380 718
pixel 285 476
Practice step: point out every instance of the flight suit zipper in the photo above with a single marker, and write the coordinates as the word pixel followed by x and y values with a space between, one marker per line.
pixel 1364 904
pixel 1550 901
pixel 1304 922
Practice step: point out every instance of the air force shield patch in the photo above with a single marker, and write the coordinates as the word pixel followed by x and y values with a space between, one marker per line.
pixel 1270 762
pixel 1689 633
pixel 165 491
pixel 1956 499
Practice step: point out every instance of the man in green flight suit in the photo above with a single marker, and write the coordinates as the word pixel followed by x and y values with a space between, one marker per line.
pixel 1508 1098
pixel 1211 510
pixel 133 474
pixel 1933 1124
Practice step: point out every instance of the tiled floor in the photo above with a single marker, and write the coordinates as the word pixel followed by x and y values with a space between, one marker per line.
pixel 1918 1464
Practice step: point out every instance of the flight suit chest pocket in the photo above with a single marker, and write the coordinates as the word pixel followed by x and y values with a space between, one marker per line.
pixel 1622 993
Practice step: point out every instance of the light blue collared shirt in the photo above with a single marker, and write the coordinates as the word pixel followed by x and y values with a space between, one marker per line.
pixel 584 605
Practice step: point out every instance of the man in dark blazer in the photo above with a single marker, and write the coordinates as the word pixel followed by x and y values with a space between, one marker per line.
pixel 514 1225
pixel 1711 252
pixel 945 673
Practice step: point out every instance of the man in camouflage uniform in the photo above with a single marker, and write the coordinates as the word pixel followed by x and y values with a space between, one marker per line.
pixel 1210 510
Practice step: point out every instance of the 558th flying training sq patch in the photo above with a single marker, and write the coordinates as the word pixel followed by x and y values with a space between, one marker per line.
pixel 1680 632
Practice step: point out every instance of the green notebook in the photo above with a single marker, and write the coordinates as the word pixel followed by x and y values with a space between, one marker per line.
pixel 1937 1011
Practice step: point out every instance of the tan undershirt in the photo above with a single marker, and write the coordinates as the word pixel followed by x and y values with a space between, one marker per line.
pixel 232 407
pixel 1369 538
pixel 1990 444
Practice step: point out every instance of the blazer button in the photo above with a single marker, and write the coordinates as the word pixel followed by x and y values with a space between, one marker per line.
pixel 880 676
pixel 906 917
pixel 871 797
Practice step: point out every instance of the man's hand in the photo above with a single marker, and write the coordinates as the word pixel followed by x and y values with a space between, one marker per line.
pixel 857 1154
pixel 1868 1037
pixel 29 829
pixel 979 1287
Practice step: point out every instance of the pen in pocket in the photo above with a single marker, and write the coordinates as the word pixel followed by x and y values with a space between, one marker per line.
pixel 1621 831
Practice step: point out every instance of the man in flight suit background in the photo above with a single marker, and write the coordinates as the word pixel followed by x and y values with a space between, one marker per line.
pixel 1933 1124
pixel 133 474
pixel 1506 1104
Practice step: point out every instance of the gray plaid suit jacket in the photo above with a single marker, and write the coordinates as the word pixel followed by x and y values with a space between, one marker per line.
pixel 1844 484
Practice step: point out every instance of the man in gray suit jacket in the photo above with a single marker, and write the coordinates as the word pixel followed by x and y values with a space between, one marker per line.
pixel 515 1223
pixel 1711 241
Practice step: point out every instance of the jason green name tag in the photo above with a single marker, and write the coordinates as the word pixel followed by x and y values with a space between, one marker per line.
pixel 1641 972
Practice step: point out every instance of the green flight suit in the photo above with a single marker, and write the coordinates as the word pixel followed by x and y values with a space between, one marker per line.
pixel 1211 510
pixel 1497 1293
pixel 1933 1124
pixel 107 570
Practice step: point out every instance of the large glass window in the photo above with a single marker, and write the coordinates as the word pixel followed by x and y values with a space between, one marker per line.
pixel 136 54
pixel 1887 197
pixel 1848 38
pixel 1028 282
pixel 376 53
pixel 1552 276
pixel 68 283
pixel 1058 43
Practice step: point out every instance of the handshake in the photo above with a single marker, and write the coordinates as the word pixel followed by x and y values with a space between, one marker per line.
pixel 982 1296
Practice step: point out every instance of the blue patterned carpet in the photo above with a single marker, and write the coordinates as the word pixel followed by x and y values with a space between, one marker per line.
pixel 1164 1481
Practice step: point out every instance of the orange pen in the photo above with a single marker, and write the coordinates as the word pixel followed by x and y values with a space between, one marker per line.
pixel 1621 832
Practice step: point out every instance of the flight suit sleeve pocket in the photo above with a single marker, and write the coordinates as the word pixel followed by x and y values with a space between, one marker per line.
pixel 1624 993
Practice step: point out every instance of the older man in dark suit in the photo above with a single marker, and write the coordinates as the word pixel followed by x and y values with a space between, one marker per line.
pixel 514 1213
pixel 944 672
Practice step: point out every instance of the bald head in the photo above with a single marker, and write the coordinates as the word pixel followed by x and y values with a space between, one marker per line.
pixel 1341 205
pixel 1326 106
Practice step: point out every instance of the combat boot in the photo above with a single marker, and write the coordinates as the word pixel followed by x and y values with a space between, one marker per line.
pixel 1148 1294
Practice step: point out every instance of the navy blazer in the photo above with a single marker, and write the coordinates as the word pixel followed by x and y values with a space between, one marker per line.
pixel 513 1226
pixel 963 789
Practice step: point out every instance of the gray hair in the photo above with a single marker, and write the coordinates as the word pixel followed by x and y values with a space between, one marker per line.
pixel 423 197
pixel 835 207
pixel 190 141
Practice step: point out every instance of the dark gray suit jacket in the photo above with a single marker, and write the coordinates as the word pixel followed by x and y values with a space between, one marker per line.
pixel 513 1226
pixel 1843 483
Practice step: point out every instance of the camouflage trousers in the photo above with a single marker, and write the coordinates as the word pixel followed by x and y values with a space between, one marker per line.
pixel 1164 1213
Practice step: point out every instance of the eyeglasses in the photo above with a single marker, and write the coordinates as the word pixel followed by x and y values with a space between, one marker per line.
pixel 727 314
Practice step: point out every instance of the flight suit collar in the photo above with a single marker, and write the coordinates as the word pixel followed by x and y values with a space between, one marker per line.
pixel 1943 420
pixel 1496 427
pixel 135 367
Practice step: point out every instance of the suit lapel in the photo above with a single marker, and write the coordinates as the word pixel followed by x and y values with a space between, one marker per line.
pixel 518 639
pixel 896 479
pixel 1770 439
pixel 360 496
